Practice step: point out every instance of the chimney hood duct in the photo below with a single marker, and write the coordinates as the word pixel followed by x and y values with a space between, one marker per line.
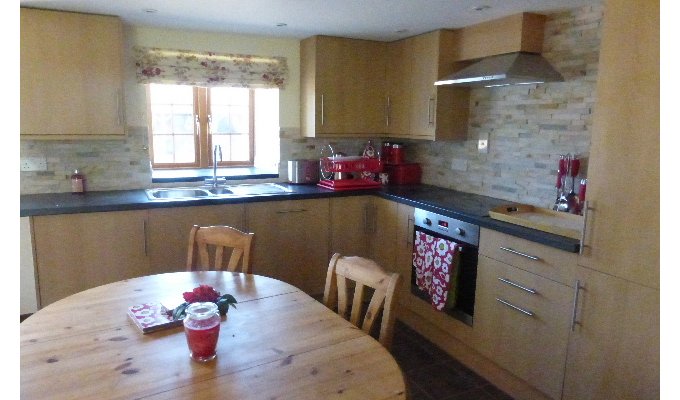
pixel 506 69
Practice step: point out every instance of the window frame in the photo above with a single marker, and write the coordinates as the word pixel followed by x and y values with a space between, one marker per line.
pixel 203 141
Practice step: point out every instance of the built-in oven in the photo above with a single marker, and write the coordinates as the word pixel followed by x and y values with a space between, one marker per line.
pixel 461 304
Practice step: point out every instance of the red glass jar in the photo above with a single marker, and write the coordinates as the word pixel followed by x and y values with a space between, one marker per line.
pixel 202 328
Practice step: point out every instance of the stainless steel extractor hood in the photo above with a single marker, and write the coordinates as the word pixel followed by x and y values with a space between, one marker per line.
pixel 505 69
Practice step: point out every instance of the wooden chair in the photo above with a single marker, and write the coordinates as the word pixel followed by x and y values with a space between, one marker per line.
pixel 363 272
pixel 202 238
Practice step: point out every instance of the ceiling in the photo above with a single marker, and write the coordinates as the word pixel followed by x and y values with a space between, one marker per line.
pixel 367 19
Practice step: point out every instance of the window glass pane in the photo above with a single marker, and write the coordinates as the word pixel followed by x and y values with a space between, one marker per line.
pixel 172 123
pixel 226 96
pixel 183 119
pixel 184 149
pixel 240 148
pixel 163 149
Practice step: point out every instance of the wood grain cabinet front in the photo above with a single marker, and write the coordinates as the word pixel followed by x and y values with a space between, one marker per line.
pixel 71 75
pixel 522 323
pixel 75 252
pixel 342 87
pixel 169 231
pixel 291 241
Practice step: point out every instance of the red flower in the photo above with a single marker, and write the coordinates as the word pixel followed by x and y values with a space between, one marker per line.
pixel 202 293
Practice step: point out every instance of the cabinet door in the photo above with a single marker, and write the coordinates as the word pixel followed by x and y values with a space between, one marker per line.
pixel 614 348
pixel 384 233
pixel 350 220
pixel 71 74
pixel 27 288
pixel 343 86
pixel 75 252
pixel 169 231
pixel 398 87
pixel 424 51
pixel 622 236
pixel 531 347
pixel 291 241
pixel 404 249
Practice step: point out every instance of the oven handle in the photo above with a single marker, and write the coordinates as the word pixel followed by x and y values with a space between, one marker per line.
pixel 513 251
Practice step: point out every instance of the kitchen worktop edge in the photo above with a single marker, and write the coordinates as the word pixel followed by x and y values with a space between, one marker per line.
pixel 464 206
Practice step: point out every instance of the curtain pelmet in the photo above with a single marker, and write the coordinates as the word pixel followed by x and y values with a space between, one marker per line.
pixel 186 67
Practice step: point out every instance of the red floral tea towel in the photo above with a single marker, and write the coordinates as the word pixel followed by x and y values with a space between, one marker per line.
pixel 435 263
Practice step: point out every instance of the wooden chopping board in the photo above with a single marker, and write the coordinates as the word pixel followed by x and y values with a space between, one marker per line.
pixel 542 219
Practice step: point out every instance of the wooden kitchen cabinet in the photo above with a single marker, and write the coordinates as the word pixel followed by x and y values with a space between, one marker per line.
pixel 515 278
pixel 351 226
pixel 384 233
pixel 404 249
pixel 435 112
pixel 622 226
pixel 291 241
pixel 168 231
pixel 398 88
pixel 342 87
pixel 614 348
pixel 525 333
pixel 614 351
pixel 75 252
pixel 27 282
pixel 71 75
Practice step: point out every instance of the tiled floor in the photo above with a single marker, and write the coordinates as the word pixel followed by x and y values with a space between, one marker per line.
pixel 431 374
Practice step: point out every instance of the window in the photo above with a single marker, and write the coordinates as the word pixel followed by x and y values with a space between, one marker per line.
pixel 186 122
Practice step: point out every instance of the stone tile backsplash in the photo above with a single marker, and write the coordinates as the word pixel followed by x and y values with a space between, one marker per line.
pixel 528 127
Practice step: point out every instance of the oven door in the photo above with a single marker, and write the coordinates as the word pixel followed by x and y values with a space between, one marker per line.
pixel 460 306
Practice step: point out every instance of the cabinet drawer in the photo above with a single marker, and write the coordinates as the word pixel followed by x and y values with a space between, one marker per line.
pixel 523 332
pixel 545 261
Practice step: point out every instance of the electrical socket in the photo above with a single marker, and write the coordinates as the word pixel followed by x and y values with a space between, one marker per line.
pixel 33 164
pixel 483 146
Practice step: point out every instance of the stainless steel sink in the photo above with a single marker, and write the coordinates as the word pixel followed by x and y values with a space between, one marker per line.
pixel 180 193
pixel 177 193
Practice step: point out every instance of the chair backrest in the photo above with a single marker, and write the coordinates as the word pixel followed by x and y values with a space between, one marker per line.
pixel 364 273
pixel 219 238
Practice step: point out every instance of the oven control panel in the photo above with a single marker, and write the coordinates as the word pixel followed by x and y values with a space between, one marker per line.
pixel 447 227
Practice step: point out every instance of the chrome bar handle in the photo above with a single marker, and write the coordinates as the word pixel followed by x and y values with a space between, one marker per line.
pixel 513 251
pixel 297 210
pixel 409 230
pixel 119 107
pixel 573 314
pixel 144 231
pixel 322 110
pixel 582 241
pixel 517 285
pixel 430 119
pixel 514 307
pixel 388 111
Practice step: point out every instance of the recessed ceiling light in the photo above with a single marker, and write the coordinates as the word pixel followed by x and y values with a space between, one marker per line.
pixel 150 10
pixel 481 8
pixel 281 24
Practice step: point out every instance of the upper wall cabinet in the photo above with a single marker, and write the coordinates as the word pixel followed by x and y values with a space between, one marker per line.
pixel 71 75
pixel 342 87
pixel 434 113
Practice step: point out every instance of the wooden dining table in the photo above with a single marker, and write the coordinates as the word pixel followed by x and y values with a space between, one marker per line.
pixel 278 343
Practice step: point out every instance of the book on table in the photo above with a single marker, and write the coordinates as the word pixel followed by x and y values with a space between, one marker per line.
pixel 151 317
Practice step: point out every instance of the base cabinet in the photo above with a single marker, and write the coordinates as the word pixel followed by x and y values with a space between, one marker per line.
pixel 351 226
pixel 614 348
pixel 75 252
pixel 291 241
pixel 169 229
pixel 522 323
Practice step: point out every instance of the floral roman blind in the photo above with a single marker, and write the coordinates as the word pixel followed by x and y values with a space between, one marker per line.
pixel 186 67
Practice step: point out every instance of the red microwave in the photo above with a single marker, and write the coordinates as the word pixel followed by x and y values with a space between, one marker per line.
pixel 403 174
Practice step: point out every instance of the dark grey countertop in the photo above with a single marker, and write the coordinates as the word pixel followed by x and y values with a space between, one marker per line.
pixel 464 206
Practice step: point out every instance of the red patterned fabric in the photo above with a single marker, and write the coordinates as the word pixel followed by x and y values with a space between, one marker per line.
pixel 435 263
